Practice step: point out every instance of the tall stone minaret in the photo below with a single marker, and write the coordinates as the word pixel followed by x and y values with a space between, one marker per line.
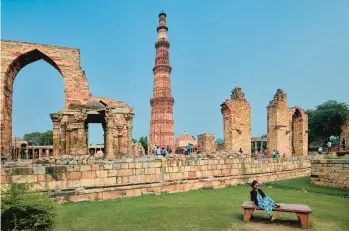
pixel 161 123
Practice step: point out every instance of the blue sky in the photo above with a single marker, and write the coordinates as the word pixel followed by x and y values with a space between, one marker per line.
pixel 299 46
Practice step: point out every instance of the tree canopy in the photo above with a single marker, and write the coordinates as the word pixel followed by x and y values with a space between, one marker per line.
pixel 144 142
pixel 39 138
pixel 219 141
pixel 326 121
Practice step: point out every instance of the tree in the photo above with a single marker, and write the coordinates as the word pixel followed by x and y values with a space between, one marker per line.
pixel 326 121
pixel 39 138
pixel 144 142
pixel 219 141
pixel 134 140
pixel 264 136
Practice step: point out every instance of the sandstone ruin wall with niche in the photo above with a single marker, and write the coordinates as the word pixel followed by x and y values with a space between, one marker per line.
pixel 287 129
pixel 70 126
pixel 236 113
pixel 331 173
pixel 137 176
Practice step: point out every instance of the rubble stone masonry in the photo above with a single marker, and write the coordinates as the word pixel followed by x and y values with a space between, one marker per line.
pixel 138 176
pixel 236 113
pixel 207 142
pixel 331 173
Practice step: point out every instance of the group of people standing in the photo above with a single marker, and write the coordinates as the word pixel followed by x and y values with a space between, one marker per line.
pixel 162 151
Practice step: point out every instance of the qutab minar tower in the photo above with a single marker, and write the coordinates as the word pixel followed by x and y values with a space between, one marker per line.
pixel 161 123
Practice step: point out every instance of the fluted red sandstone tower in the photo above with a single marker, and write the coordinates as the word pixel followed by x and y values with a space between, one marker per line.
pixel 161 124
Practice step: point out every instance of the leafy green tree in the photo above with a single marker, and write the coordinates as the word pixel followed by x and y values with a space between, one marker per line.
pixel 134 140
pixel 219 141
pixel 326 121
pixel 264 136
pixel 144 142
pixel 39 138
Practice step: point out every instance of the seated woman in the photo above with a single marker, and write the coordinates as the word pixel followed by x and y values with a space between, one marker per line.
pixel 261 200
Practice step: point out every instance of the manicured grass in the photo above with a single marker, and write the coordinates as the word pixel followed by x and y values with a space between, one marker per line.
pixel 218 209
pixel 303 185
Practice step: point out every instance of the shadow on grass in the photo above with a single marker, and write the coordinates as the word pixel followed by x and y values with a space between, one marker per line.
pixel 256 219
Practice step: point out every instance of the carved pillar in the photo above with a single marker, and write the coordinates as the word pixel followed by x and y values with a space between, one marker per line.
pixel 56 119
pixel 108 137
pixel 120 128
pixel 129 118
pixel 64 138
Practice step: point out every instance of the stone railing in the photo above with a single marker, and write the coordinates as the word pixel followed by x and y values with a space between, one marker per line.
pixel 332 173
pixel 90 179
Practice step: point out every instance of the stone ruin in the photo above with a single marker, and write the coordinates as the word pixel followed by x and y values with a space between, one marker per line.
pixel 236 113
pixel 287 127
pixel 207 142
pixel 70 126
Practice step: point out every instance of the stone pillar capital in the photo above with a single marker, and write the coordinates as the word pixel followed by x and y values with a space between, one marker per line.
pixel 129 116
pixel 120 127
pixel 56 117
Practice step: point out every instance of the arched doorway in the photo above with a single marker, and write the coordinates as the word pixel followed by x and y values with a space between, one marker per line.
pixel 16 55
pixel 10 75
pixel 298 133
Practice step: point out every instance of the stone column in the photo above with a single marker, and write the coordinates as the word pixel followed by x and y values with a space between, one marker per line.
pixel 120 128
pixel 82 141
pixel 56 119
pixel 108 145
pixel 56 136
pixel 129 118
pixel 63 138
pixel 255 146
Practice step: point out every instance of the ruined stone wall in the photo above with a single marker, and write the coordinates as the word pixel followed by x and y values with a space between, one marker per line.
pixel 237 122
pixel 207 142
pixel 299 131
pixel 16 55
pixel 133 177
pixel 278 125
pixel 331 173
pixel 345 136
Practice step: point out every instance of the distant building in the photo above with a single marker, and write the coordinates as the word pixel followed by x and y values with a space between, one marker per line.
pixel 184 139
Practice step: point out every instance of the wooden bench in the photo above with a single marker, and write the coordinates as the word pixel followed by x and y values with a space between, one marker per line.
pixel 302 211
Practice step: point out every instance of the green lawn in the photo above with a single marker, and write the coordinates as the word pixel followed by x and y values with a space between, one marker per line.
pixel 207 210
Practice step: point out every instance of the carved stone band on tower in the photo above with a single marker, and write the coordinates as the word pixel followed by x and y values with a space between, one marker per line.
pixel 161 124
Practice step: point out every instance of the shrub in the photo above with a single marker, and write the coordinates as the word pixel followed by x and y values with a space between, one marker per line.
pixel 22 209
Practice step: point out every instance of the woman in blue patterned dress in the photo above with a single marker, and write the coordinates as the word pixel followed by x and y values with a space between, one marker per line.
pixel 261 200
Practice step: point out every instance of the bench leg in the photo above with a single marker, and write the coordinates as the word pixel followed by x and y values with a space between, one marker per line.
pixel 247 214
pixel 304 219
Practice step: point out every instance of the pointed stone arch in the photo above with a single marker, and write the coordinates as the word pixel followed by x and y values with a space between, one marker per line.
pixel 299 128
pixel 16 55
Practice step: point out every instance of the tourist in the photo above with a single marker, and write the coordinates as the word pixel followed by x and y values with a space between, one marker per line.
pixel 169 150
pixel 273 154
pixel 240 150
pixel 164 152
pixel 140 152
pixel 199 149
pixel 259 199
pixel 320 150
pixel 258 156
pixel 188 149
pixel 277 154
pixel 329 145
pixel 158 150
